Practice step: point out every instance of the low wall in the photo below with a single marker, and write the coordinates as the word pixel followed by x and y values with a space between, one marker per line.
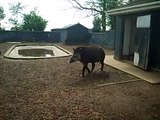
pixel 105 39
pixel 27 36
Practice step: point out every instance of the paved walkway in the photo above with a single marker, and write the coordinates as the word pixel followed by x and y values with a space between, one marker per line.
pixel 152 77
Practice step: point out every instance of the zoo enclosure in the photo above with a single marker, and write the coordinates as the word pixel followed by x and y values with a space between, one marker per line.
pixel 105 39
pixel 27 36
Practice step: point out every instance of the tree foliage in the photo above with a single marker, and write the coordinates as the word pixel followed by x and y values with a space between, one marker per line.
pixel 96 24
pixel 98 7
pixel 33 22
pixel 16 10
pixel 21 21
pixel 2 15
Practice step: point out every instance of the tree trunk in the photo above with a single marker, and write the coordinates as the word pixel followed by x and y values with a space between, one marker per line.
pixel 104 15
pixel 103 21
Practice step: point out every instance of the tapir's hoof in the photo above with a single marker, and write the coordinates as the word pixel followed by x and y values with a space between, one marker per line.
pixel 89 72
pixel 82 75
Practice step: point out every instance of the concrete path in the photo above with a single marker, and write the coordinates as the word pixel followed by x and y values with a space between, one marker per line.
pixel 152 77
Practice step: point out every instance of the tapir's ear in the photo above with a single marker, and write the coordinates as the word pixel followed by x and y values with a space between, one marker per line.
pixel 73 49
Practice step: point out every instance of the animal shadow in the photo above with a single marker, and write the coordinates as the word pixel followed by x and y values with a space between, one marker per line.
pixel 93 78
pixel 97 75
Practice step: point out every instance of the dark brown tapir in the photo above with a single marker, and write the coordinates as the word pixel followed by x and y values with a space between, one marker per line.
pixel 89 54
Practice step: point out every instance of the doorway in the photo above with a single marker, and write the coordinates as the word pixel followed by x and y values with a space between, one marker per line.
pixel 155 42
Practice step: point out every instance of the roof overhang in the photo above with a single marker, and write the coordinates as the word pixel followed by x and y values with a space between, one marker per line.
pixel 135 8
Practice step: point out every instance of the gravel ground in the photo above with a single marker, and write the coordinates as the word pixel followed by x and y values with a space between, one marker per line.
pixel 52 89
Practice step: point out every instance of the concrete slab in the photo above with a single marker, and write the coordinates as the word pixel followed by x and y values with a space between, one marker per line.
pixel 13 52
pixel 152 77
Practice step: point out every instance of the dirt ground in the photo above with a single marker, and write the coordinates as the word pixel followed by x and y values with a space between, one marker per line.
pixel 52 89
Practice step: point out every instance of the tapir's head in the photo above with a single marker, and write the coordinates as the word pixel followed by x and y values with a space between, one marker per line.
pixel 76 55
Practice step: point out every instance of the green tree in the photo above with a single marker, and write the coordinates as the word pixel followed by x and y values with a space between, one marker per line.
pixel 99 7
pixel 96 24
pixel 16 10
pixel 33 22
pixel 2 16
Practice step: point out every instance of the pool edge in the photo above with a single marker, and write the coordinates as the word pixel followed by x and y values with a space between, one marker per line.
pixel 35 58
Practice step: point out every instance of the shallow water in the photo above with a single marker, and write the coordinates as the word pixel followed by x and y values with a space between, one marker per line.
pixel 31 52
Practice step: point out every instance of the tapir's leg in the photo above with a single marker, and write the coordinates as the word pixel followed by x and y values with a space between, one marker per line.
pixel 83 70
pixel 85 66
pixel 93 65
pixel 102 65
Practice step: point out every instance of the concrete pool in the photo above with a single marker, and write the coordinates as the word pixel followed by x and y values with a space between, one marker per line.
pixel 36 52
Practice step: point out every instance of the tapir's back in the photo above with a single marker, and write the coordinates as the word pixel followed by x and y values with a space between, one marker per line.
pixel 92 54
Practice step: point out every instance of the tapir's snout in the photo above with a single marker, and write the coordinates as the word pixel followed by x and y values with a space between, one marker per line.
pixel 74 58
pixel 71 60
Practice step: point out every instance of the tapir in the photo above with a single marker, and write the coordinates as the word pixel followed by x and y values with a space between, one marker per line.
pixel 89 54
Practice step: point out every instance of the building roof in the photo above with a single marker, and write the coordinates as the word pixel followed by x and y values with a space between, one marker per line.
pixel 66 27
pixel 135 8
